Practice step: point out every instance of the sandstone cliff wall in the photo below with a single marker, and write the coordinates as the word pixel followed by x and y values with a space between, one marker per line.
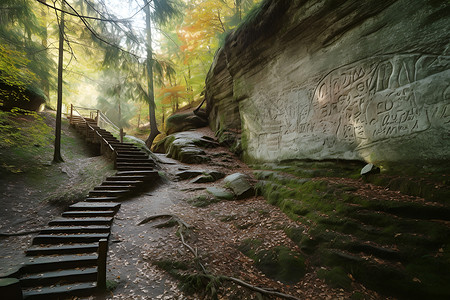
pixel 337 79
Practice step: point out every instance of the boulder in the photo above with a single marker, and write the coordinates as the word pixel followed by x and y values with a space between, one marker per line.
pixel 240 185
pixel 336 80
pixel 184 122
pixel 220 193
pixel 185 147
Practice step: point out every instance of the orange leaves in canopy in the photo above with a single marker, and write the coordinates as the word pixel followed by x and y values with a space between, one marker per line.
pixel 171 93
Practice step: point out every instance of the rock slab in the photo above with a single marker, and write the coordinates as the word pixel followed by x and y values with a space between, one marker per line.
pixel 337 79
pixel 240 185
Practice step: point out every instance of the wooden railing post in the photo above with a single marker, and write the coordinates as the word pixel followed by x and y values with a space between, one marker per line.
pixel 101 261
pixel 71 113
pixel 121 135
pixel 96 119
pixel 10 289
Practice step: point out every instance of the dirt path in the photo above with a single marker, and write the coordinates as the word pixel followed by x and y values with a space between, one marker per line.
pixel 218 229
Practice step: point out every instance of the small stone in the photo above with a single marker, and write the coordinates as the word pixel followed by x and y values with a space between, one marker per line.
pixel 370 169
pixel 203 179
pixel 188 174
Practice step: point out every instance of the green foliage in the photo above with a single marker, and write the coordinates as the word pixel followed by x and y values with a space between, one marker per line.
pixel 111 285
pixel 21 128
pixel 13 68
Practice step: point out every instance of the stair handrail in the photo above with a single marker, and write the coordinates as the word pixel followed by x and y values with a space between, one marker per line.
pixel 102 116
pixel 91 115
pixel 73 108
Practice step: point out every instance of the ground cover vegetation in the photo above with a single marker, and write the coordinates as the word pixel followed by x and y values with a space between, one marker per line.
pixel 355 234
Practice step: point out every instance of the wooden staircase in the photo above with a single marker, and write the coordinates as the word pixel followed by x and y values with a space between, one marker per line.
pixel 64 257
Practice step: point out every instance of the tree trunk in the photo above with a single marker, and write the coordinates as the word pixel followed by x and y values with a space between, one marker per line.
pixel 151 96
pixel 57 154
pixel 45 81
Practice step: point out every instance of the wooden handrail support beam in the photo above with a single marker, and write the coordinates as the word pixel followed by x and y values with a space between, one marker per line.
pixel 101 262
pixel 71 114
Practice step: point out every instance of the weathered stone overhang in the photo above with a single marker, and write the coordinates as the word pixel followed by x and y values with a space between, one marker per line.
pixel 365 80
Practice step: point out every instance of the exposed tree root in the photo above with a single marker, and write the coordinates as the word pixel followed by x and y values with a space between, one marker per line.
pixel 167 223
pixel 213 278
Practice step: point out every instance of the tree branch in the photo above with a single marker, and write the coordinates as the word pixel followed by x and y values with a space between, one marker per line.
pixel 97 36
pixel 77 15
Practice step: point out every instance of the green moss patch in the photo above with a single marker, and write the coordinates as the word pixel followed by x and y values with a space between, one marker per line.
pixel 336 277
pixel 371 237
pixel 279 263
pixel 202 201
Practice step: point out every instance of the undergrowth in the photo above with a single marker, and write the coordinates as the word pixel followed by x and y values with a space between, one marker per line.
pixel 26 152
pixel 352 236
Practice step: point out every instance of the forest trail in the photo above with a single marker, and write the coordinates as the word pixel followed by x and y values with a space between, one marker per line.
pixel 221 227
pixel 65 258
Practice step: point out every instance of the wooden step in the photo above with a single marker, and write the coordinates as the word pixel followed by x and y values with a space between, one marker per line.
pixel 113 187
pixel 76 229
pixel 97 199
pixel 110 139
pixel 127 150
pixel 52 263
pixel 95 205
pixel 134 168
pixel 124 147
pixel 126 144
pixel 115 193
pixel 126 178
pixel 61 291
pixel 88 213
pixel 81 221
pixel 62 249
pixel 69 238
pixel 134 160
pixel 147 173
pixel 59 277
pixel 139 155
pixel 122 182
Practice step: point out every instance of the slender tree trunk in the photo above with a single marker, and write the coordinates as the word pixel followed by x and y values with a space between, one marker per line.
pixel 45 81
pixel 57 154
pixel 151 96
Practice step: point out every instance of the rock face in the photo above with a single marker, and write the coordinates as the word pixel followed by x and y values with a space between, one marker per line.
pixel 185 147
pixel 337 79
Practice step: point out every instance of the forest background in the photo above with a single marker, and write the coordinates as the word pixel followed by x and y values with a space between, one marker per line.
pixel 113 52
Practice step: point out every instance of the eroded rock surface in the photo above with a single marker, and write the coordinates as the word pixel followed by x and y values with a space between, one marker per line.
pixel 240 185
pixel 337 79
pixel 185 147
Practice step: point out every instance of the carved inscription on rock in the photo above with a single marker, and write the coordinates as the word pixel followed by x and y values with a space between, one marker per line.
pixel 354 107
pixel 377 99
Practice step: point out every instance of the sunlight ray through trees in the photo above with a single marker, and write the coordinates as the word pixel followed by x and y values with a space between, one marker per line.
pixel 157 51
